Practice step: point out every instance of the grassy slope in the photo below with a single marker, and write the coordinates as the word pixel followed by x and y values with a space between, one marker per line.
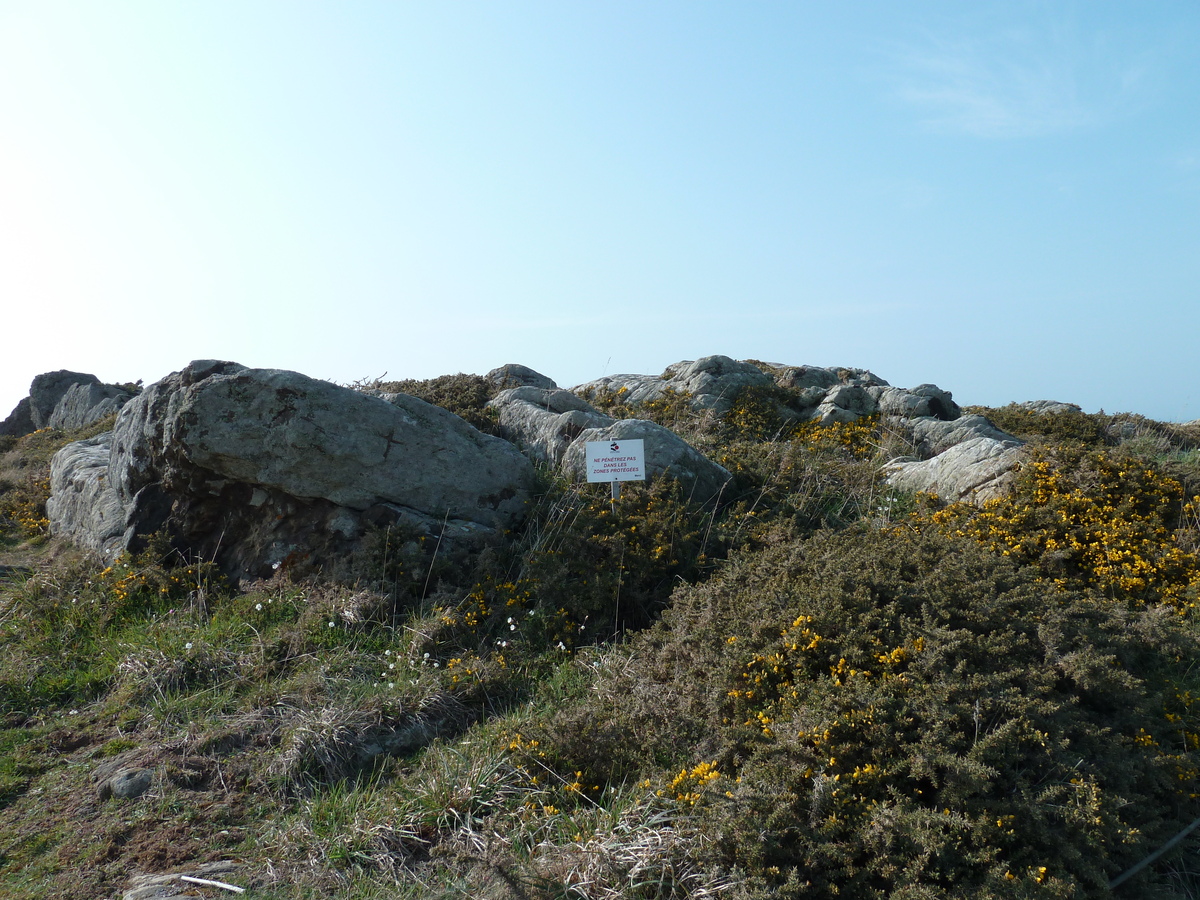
pixel 851 690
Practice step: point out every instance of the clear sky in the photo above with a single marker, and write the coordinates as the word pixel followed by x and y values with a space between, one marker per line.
pixel 1002 198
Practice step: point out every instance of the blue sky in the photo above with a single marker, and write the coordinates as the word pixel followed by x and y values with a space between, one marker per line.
pixel 1002 198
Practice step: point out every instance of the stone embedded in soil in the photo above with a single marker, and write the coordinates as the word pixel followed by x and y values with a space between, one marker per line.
pixel 127 784
pixel 171 886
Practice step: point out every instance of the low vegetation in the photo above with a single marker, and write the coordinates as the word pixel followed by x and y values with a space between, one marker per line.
pixel 820 688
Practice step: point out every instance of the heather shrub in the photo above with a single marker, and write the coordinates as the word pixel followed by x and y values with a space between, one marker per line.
pixel 1067 426
pixel 895 714
pixel 464 395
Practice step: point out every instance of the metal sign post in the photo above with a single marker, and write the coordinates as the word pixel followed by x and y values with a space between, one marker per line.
pixel 616 461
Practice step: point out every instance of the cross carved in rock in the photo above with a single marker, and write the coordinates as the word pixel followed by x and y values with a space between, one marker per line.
pixel 391 442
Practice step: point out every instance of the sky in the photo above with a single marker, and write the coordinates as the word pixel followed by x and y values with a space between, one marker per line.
pixel 1001 198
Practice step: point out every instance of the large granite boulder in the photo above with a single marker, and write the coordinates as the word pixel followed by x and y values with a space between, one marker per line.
pixel 85 403
pixel 512 375
pixel 66 400
pixel 923 401
pixel 933 436
pixel 83 505
pixel 48 388
pixel 544 422
pixel 253 466
pixel 975 471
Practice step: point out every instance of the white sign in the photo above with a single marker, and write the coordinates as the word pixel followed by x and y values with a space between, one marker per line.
pixel 616 461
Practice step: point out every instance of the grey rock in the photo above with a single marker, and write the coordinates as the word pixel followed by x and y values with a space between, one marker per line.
pixel 512 375
pixel 554 426
pixel 844 403
pixel 933 436
pixel 667 455
pixel 629 389
pixel 1049 407
pixel 48 389
pixel 83 505
pixel 824 395
pixel 822 378
pixel 126 784
pixel 714 381
pixel 66 400
pixel 221 422
pixel 19 421
pixel 975 471
pixel 711 383
pixel 256 467
pixel 83 404
pixel 545 422
pixel 923 401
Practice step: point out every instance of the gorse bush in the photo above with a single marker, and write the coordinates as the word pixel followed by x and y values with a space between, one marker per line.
pixel 1066 426
pixel 1100 519
pixel 889 713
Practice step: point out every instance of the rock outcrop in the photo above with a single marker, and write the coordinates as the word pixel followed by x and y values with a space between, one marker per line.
pixel 975 471
pixel 544 422
pixel 824 395
pixel 1049 407
pixel 933 436
pixel 554 426
pixel 19 421
pixel 254 466
pixel 711 383
pixel 83 404
pixel 550 427
pixel 257 467
pixel 65 400
pixel 83 505
pixel 513 375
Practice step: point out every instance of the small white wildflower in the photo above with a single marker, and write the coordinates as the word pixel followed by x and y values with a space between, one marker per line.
pixel 387 652
pixel 562 646
pixel 275 565
pixel 330 624
pixel 258 606
pixel 187 646
pixel 436 663
pixel 512 627
pixel 391 685
pixel 426 656
pixel 510 619
pixel 391 665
